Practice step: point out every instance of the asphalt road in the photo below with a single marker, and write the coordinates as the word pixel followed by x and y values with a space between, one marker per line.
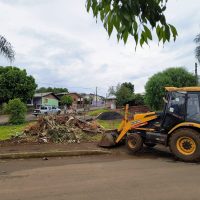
pixel 152 175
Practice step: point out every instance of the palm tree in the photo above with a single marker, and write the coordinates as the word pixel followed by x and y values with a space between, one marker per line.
pixel 6 49
pixel 197 50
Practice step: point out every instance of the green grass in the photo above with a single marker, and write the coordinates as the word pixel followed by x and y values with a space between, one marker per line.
pixel 9 130
pixel 109 124
pixel 91 138
pixel 97 112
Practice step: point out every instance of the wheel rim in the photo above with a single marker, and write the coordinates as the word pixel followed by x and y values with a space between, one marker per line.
pixel 186 145
pixel 132 143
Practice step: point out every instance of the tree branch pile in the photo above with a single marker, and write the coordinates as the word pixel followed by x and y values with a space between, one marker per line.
pixel 61 128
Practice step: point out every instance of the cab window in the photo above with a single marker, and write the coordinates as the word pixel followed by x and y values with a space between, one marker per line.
pixel 193 107
pixel 176 105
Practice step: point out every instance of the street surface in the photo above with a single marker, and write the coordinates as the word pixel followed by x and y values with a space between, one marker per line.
pixel 151 175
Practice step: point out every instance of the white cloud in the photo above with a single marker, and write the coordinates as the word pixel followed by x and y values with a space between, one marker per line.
pixel 60 44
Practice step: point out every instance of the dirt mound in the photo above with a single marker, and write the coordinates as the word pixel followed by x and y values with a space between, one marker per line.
pixel 111 115
pixel 58 129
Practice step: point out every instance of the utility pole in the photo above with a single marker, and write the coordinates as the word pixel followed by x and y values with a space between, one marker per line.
pixel 96 96
pixel 196 73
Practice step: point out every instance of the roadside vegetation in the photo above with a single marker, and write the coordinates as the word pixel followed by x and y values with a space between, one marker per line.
pixel 91 138
pixel 7 131
pixel 17 111
pixel 109 124
pixel 97 112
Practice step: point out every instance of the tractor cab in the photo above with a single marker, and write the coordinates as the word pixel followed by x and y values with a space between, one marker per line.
pixel 181 105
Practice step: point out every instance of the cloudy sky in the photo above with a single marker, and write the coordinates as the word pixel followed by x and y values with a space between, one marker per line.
pixel 61 45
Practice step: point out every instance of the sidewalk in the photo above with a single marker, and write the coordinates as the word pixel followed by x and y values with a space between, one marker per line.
pixel 49 150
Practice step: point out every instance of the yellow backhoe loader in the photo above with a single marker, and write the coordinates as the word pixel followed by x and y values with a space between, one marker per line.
pixel 178 126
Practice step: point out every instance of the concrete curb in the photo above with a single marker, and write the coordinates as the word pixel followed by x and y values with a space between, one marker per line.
pixel 27 155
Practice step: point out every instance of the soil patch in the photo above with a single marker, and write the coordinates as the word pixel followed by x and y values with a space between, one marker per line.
pixel 110 116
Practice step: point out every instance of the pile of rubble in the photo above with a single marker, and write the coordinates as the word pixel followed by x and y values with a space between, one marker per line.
pixel 60 128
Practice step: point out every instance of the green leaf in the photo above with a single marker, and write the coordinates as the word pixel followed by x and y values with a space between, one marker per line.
pixel 163 35
pixel 144 36
pixel 125 36
pixel 159 33
pixel 162 20
pixel 94 8
pixel 116 22
pixel 110 28
pixel 135 26
pixel 118 37
pixel 102 15
pixel 167 33
pixel 88 5
pixel 148 32
pixel 158 30
pixel 174 31
pixel 141 41
pixel 107 8
pixel 136 38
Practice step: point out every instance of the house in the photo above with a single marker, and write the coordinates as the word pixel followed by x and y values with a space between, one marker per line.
pixel 45 99
pixel 111 102
pixel 77 98
pixel 95 100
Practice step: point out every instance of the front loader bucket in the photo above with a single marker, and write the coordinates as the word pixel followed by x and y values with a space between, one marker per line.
pixel 108 139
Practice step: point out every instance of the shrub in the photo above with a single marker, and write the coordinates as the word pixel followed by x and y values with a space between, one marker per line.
pixel 139 99
pixel 17 110
pixel 66 100
pixel 3 108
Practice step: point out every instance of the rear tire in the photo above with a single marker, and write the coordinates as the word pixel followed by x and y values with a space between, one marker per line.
pixel 134 142
pixel 185 144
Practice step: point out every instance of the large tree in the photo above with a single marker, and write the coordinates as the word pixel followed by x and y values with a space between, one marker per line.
pixel 6 49
pixel 50 89
pixel 15 83
pixel 155 87
pixel 129 85
pixel 197 50
pixel 124 93
pixel 137 18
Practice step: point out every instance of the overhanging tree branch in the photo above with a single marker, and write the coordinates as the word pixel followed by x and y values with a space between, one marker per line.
pixel 6 49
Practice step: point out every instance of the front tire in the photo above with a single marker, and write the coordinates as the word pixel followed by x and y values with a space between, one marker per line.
pixel 134 142
pixel 185 144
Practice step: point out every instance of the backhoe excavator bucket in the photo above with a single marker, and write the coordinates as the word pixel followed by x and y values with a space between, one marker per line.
pixel 108 139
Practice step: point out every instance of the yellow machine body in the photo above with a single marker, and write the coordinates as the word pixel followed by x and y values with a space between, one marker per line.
pixel 140 122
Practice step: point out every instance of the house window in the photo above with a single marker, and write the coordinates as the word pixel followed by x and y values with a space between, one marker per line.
pixel 46 100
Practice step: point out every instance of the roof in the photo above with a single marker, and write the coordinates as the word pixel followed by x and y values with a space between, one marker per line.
pixel 111 97
pixel 44 94
pixel 62 93
pixel 185 89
